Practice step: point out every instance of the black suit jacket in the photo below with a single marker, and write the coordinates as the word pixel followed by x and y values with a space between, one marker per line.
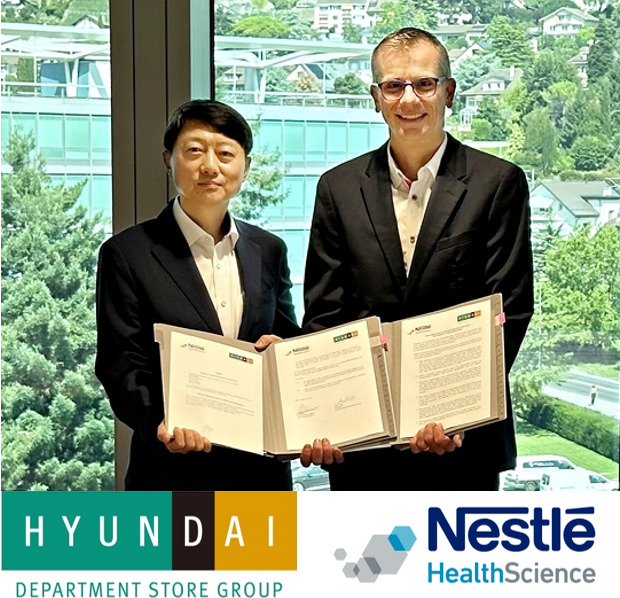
pixel 147 275
pixel 474 241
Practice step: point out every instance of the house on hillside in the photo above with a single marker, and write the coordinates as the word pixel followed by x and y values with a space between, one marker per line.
pixel 566 21
pixel 470 33
pixel 331 15
pixel 580 62
pixel 569 204
pixel 492 86
pixel 458 55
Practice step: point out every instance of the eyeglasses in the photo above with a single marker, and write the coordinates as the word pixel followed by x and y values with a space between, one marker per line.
pixel 424 87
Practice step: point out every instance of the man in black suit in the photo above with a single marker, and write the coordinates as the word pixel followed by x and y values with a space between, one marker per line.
pixel 420 224
pixel 196 267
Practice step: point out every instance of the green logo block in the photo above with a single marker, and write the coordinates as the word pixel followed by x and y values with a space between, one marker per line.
pixel 86 531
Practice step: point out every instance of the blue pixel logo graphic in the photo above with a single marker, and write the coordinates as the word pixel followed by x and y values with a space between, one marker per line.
pixel 384 555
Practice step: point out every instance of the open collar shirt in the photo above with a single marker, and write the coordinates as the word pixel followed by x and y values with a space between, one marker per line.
pixel 218 268
pixel 411 199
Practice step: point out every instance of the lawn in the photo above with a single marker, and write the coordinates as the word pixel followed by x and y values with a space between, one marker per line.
pixel 536 441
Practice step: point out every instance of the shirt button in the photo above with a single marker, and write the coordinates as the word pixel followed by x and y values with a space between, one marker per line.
pixel 412 239
pixel 219 266
pixel 223 303
pixel 414 196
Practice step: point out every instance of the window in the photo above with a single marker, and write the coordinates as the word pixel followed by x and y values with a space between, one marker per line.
pixel 54 325
pixel 311 138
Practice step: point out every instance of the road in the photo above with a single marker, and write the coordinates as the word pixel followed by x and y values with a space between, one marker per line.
pixel 575 388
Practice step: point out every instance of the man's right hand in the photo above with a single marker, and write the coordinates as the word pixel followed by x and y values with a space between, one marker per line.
pixel 320 452
pixel 183 440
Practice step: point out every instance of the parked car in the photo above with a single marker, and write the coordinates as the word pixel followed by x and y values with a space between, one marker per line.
pixel 530 469
pixel 576 479
pixel 309 478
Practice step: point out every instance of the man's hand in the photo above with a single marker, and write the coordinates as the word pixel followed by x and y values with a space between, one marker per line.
pixel 264 341
pixel 321 452
pixel 432 438
pixel 182 440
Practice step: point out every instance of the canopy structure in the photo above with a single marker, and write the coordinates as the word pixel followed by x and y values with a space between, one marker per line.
pixel 71 47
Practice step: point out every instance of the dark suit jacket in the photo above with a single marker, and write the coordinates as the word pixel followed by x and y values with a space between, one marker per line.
pixel 147 275
pixel 474 241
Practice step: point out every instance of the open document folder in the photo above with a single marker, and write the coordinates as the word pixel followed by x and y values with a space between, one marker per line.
pixel 340 383
pixel 329 384
pixel 448 367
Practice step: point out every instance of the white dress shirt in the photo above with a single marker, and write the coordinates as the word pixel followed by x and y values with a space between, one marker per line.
pixel 218 268
pixel 411 199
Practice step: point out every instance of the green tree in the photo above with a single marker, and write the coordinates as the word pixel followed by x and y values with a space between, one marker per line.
pixel 509 42
pixel 306 83
pixel 57 12
pixel 591 153
pixel 224 20
pixel 277 80
pixel 48 12
pixel 546 69
pixel 483 11
pixel 557 97
pixel 260 26
pixel 471 70
pixel 351 33
pixel 603 51
pixel 495 127
pixel 584 116
pixel 577 316
pixel 395 14
pixel 350 84
pixel 581 292
pixel 298 27
pixel 57 427
pixel 264 184
pixel 540 143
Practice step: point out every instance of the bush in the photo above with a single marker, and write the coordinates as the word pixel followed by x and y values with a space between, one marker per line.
pixel 588 428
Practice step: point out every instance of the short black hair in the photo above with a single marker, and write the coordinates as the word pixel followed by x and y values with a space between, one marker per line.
pixel 216 115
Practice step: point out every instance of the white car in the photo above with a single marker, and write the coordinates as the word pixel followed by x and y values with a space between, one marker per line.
pixel 530 469
pixel 576 479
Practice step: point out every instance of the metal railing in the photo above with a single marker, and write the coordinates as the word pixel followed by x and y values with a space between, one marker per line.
pixel 278 98
pixel 55 90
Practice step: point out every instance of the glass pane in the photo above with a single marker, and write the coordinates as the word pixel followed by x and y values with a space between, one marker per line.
pixel 552 114
pixel 78 137
pixel 101 138
pixel 294 205
pixel 51 138
pixel 294 140
pixel 57 426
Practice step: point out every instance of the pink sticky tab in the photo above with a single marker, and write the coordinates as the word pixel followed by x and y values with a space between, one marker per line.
pixel 500 319
pixel 383 339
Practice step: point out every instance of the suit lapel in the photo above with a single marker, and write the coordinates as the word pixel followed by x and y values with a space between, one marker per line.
pixel 174 255
pixel 447 191
pixel 249 258
pixel 376 191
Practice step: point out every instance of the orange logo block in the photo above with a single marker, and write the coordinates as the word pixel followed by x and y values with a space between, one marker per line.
pixel 256 531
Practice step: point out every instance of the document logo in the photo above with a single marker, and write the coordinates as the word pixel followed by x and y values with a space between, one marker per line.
pixel 241 358
pixel 383 555
pixel 469 316
pixel 345 337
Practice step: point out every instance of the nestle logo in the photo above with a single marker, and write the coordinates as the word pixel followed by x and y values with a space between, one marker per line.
pixel 193 347
pixel 561 529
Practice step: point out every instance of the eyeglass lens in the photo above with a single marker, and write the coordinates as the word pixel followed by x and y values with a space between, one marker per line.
pixel 394 90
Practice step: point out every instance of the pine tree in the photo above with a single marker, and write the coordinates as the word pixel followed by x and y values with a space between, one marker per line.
pixel 57 427
pixel 603 52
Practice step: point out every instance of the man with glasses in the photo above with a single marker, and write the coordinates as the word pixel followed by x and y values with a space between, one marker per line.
pixel 420 224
